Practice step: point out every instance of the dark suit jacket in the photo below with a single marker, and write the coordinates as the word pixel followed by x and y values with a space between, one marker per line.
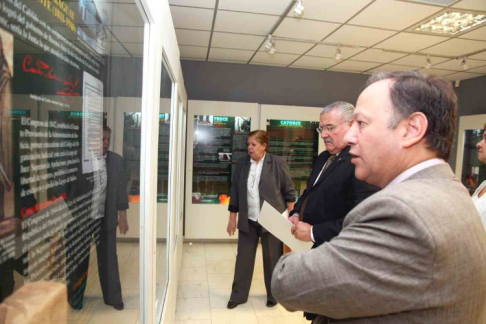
pixel 334 195
pixel 275 187
pixel 116 191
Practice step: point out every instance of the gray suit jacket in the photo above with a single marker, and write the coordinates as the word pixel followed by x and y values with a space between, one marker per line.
pixel 414 252
pixel 116 191
pixel 275 187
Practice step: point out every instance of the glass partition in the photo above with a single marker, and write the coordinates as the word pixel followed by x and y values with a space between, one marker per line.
pixel 65 214
pixel 166 122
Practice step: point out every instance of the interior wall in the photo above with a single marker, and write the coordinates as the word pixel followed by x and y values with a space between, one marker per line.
pixel 269 85
pixel 299 87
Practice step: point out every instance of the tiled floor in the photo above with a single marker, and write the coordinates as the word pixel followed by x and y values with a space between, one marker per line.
pixel 205 286
pixel 94 309
pixel 203 291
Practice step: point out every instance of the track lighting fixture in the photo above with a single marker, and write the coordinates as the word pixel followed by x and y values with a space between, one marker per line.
pixel 428 62
pixel 298 9
pixel 338 54
pixel 464 64
pixel 270 45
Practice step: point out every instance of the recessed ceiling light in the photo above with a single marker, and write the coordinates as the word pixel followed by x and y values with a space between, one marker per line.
pixel 451 23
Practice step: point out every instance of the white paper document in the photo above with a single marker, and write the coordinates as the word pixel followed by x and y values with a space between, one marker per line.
pixel 279 225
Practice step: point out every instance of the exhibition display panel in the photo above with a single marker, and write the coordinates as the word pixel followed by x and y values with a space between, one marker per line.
pixel 219 142
pixel 298 142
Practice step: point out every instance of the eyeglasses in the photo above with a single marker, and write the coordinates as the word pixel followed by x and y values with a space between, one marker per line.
pixel 328 128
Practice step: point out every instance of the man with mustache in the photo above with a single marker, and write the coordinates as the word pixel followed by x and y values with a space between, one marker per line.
pixel 332 189
pixel 415 252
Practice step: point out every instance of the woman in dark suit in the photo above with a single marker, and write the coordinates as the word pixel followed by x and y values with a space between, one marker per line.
pixel 259 177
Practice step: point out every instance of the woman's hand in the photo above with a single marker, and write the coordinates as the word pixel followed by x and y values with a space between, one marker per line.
pixel 231 224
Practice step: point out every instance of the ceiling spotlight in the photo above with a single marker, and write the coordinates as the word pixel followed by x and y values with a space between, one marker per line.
pixel 298 9
pixel 270 44
pixel 457 83
pixel 428 63
pixel 338 54
pixel 464 64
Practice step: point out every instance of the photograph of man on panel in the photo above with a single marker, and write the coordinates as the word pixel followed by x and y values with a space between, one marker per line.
pixel 415 252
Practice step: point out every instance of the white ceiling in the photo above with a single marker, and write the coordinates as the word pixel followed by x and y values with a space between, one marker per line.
pixel 374 35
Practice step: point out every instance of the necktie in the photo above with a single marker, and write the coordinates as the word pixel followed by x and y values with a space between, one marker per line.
pixel 324 168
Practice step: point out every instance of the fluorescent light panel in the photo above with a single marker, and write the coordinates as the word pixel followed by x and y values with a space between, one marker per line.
pixel 452 23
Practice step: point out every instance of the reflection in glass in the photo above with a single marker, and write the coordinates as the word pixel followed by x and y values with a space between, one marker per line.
pixel 62 179
pixel 473 174
pixel 163 221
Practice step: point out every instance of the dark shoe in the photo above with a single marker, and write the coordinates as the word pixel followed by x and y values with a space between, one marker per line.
pixel 118 306
pixel 76 306
pixel 231 305
pixel 271 303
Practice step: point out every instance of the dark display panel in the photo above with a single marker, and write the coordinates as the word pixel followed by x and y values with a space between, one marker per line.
pixel 219 141
pixel 298 142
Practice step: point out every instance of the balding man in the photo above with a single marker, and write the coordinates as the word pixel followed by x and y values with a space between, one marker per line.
pixel 415 252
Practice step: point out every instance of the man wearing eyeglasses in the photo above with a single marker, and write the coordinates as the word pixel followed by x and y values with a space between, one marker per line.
pixel 332 189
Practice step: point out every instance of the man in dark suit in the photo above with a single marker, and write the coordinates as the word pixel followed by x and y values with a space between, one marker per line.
pixel 115 215
pixel 332 190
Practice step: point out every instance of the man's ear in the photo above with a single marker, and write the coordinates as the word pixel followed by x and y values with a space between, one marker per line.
pixel 416 127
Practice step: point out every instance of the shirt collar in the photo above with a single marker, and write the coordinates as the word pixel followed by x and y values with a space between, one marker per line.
pixel 416 168
pixel 263 158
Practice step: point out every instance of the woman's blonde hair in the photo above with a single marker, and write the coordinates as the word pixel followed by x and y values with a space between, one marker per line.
pixel 261 136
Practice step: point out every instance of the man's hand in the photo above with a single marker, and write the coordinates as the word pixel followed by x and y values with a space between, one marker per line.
pixel 122 222
pixel 294 219
pixel 302 231
pixel 231 224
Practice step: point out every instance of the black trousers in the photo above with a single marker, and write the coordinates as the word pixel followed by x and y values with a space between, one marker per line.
pixel 108 267
pixel 7 282
pixel 78 240
pixel 78 236
pixel 272 250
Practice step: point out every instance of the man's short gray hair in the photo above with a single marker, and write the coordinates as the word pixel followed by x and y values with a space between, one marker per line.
pixel 345 109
